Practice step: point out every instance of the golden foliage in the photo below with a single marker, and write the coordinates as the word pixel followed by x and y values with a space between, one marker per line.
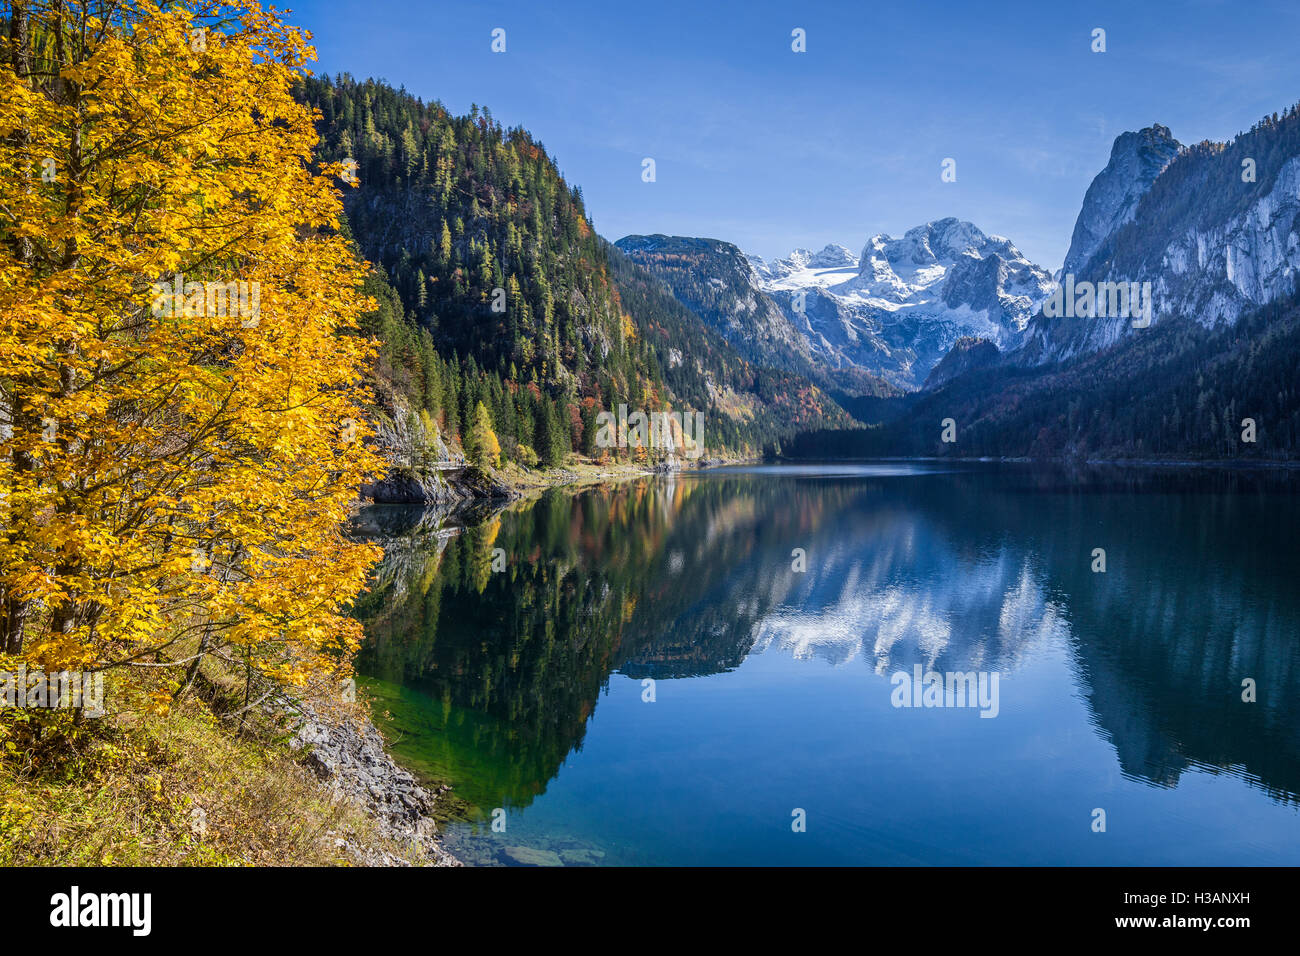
pixel 173 465
pixel 482 441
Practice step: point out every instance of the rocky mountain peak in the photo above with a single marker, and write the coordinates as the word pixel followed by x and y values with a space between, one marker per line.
pixel 1136 159
pixel 833 256
pixel 897 310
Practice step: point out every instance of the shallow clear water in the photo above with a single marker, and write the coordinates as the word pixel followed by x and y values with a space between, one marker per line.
pixel 653 680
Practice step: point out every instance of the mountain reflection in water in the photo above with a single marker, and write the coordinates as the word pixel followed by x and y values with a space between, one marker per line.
pixel 492 679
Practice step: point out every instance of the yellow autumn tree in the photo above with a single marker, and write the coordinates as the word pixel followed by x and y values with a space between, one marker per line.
pixel 481 441
pixel 180 437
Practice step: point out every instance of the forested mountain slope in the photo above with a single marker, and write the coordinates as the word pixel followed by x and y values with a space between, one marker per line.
pixel 503 294
pixel 1181 392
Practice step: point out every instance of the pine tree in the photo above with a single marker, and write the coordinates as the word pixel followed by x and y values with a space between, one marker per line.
pixel 589 430
pixel 549 450
pixel 444 245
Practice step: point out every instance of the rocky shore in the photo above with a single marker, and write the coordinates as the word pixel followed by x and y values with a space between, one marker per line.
pixel 436 488
pixel 349 757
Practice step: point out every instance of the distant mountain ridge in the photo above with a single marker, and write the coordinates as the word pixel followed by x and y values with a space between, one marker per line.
pixel 718 282
pixel 496 291
pixel 1216 234
pixel 729 298
pixel 891 313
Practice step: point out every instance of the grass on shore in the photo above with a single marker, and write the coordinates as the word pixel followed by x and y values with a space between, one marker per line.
pixel 182 786
pixel 179 788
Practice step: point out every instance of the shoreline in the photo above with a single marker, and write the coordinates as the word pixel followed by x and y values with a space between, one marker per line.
pixel 1220 463
pixel 454 486
pixel 351 760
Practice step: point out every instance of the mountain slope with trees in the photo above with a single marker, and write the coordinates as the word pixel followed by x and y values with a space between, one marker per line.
pixel 717 281
pixel 1180 393
pixel 502 294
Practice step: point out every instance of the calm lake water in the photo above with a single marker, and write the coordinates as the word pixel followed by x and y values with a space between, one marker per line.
pixel 669 671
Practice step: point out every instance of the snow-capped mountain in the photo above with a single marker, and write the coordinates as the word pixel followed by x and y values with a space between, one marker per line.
pixel 832 257
pixel 1208 233
pixel 899 307
pixel 717 282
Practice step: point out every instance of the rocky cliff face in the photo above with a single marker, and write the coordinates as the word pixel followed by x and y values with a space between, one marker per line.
pixel 1216 271
pixel 436 487
pixel 1136 159
pixel 1217 235
pixel 351 761
pixel 422 468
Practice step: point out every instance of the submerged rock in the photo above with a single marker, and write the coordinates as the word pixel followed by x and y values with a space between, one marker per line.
pixel 584 856
pixel 530 856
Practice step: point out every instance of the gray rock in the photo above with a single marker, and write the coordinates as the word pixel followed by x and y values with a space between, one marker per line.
pixel 443 488
pixel 1136 159
pixel 585 856
pixel 530 856
pixel 350 759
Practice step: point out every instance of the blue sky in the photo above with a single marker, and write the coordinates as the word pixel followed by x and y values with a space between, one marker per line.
pixel 773 150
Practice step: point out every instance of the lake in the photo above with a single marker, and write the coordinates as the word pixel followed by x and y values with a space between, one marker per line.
pixel 883 664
